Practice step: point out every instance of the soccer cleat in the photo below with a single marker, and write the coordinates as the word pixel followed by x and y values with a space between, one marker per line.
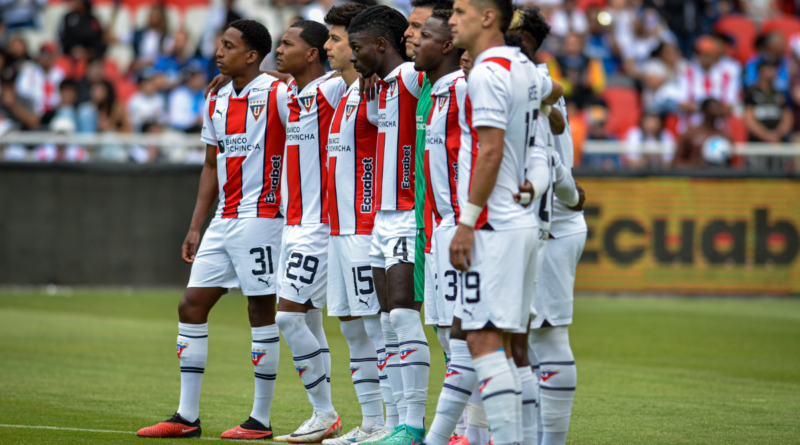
pixel 455 439
pixel 175 426
pixel 315 429
pixel 354 436
pixel 251 429
pixel 404 435
pixel 378 435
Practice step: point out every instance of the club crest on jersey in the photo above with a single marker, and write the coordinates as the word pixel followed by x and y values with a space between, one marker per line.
pixel 257 355
pixel 547 374
pixel 300 370
pixel 181 347
pixel 353 370
pixel 381 364
pixel 256 109
pixel 406 352
pixel 441 101
pixel 349 108
pixel 483 384
pixel 392 86
pixel 307 102
pixel 451 372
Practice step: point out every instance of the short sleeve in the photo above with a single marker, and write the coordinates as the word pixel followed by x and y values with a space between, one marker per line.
pixel 412 79
pixel 547 85
pixel 282 100
pixel 489 96
pixel 208 135
pixel 333 90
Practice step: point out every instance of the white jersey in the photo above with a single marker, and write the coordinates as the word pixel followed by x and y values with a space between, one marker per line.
pixel 543 151
pixel 305 170
pixel 504 91
pixel 442 143
pixel 248 130
pixel 563 221
pixel 397 135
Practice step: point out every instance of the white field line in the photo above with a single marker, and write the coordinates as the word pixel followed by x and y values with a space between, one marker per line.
pixel 83 430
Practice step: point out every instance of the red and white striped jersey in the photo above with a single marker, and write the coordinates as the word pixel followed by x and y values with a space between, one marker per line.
pixel 504 90
pixel 442 143
pixel 397 135
pixel 352 167
pixel 305 170
pixel 248 130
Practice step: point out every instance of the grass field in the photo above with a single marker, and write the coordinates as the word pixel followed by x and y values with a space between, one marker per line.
pixel 651 371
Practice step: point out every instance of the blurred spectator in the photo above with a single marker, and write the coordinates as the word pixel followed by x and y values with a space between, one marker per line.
pixel 219 17
pixel 149 42
pixel 17 110
pixel 691 144
pixel 68 94
pixel 146 105
pixel 186 102
pixel 661 79
pixel 172 63
pixel 149 154
pixel 711 76
pixel 644 38
pixel 39 81
pixel 60 152
pixel 580 76
pixel 81 34
pixel 102 112
pixel 649 135
pixel 766 115
pixel 568 19
pixel 95 72
pixel 599 42
pixel 21 13
pixel 770 47
pixel 685 18
pixel 16 53
pixel 596 118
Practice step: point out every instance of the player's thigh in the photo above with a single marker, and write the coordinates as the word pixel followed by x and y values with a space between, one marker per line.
pixel 253 245
pixel 213 266
pixel 448 278
pixel 494 289
pixel 305 264
pixel 351 287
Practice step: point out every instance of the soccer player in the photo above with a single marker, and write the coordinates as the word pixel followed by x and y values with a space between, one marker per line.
pixel 304 255
pixel 352 145
pixel 549 338
pixel 376 37
pixel 505 92
pixel 243 127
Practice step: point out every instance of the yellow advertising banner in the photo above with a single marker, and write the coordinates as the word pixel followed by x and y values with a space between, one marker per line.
pixel 691 235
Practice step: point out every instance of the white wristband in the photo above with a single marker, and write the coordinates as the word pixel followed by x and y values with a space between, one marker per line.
pixel 525 198
pixel 469 214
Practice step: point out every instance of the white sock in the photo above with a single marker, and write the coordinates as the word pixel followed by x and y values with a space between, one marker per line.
pixel 557 381
pixel 459 384
pixel 535 366
pixel 372 324
pixel 443 334
pixel 415 357
pixel 461 426
pixel 314 322
pixel 307 356
pixel 193 353
pixel 477 425
pixel 266 351
pixel 393 368
pixel 530 395
pixel 363 371
pixel 518 390
pixel 496 384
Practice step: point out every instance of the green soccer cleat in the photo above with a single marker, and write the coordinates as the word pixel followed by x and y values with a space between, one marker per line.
pixel 404 435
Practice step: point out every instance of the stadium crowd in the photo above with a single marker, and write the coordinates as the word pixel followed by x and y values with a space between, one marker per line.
pixel 634 71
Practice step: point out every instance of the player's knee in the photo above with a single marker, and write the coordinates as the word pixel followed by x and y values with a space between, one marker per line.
pixel 289 321
pixel 552 344
pixel 261 311
pixel 519 349
pixel 456 333
pixel 191 312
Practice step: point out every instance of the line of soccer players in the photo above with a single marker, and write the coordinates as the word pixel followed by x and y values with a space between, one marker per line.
pixel 343 188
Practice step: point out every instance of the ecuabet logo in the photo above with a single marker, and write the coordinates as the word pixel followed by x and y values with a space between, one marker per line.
pixel 406 352
pixel 483 384
pixel 300 370
pixel 257 355
pixel 353 370
pixel 181 347
pixel 547 374
pixel 451 372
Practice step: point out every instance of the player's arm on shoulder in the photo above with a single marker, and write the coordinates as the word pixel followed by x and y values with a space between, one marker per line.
pixel 282 99
pixel 555 91
pixel 333 90
pixel 206 194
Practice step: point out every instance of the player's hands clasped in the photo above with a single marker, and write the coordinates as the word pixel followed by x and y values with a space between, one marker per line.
pixel 524 188
pixel 581 198
pixel 369 86
pixel 189 249
pixel 461 248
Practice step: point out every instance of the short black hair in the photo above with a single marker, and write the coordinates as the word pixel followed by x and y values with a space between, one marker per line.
pixel 382 21
pixel 67 83
pixel 255 36
pixel 515 40
pixel 315 34
pixel 530 20
pixel 444 15
pixel 504 8
pixel 707 103
pixel 433 4
pixel 342 15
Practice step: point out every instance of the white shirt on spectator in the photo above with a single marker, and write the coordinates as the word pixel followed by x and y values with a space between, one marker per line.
pixel 40 87
pixel 184 109
pixel 561 22
pixel 635 141
pixel 143 109
pixel 671 90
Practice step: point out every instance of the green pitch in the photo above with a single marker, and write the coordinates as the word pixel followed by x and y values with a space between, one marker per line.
pixel 651 371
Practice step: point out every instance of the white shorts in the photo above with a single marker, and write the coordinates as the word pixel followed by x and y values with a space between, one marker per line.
pixel 239 253
pixel 431 308
pixel 553 295
pixel 498 288
pixel 351 290
pixel 448 282
pixel 393 238
pixel 303 265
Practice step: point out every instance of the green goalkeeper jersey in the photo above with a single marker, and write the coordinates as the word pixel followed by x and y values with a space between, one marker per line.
pixel 423 110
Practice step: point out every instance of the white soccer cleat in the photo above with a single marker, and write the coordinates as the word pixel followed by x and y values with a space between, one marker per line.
pixel 378 435
pixel 354 436
pixel 320 426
